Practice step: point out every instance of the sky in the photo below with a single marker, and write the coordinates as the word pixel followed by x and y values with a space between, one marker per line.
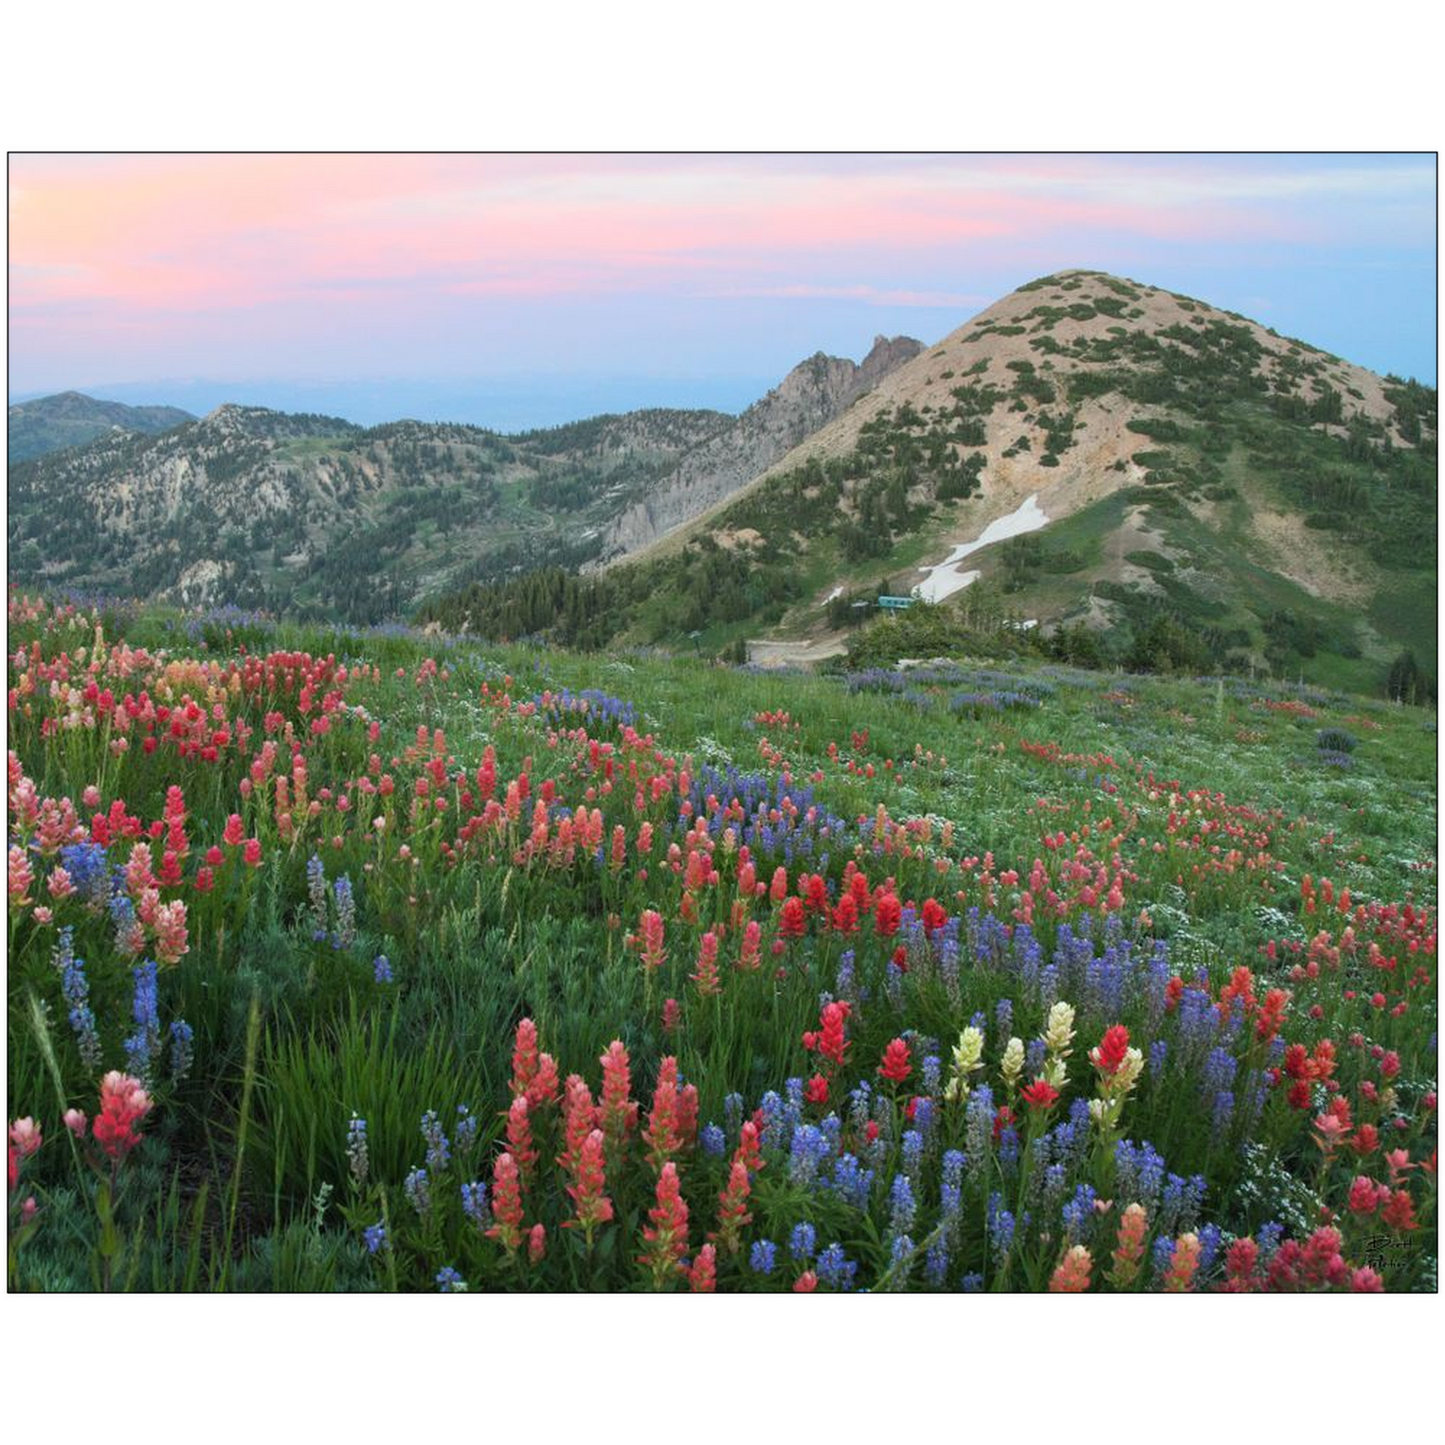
pixel 517 290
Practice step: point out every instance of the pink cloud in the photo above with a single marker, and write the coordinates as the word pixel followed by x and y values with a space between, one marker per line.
pixel 180 232
pixel 203 248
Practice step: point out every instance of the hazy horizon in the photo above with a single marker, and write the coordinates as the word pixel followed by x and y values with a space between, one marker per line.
pixel 503 404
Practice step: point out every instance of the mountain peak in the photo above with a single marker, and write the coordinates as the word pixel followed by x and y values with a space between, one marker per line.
pixel 71 418
pixel 1170 454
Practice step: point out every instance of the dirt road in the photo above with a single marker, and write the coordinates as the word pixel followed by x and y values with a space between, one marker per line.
pixel 765 653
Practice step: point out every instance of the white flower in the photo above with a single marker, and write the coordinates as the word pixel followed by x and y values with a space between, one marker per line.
pixel 1059 1031
pixel 1012 1066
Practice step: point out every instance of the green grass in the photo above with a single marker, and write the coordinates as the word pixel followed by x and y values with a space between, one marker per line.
pixel 294 1034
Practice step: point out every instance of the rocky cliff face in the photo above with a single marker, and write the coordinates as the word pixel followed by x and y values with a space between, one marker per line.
pixel 813 394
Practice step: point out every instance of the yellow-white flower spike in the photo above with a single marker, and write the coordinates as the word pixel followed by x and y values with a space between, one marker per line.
pixel 1012 1066
pixel 1056 1071
pixel 967 1059
pixel 968 1052
pixel 1059 1031
pixel 1129 1070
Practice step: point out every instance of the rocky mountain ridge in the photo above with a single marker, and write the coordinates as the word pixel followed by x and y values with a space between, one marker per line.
pixel 288 511
pixel 813 394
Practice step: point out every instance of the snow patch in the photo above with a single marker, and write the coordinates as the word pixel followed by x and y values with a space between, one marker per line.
pixel 833 596
pixel 945 579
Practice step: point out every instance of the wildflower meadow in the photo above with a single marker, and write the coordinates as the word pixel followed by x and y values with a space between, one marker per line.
pixel 359 960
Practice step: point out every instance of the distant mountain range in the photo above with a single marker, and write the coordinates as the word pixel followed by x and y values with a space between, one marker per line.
pixel 1089 450
pixel 51 423
pixel 317 515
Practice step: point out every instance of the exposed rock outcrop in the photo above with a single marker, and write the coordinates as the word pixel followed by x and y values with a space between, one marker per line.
pixel 812 394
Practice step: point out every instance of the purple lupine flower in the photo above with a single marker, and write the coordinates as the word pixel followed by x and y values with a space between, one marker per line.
pixel 1210 1237
pixel 418 1191
pixel 449 1281
pixel 438 1151
pixel 935 1262
pixel 1003 1017
pixel 1221 1114
pixel 733 1112
pixel 835 1269
pixel 141 1046
pixel 808 1150
pixel 851 1182
pixel 1008 1149
pixel 902 1206
pixel 1079 1215
pixel 1162 1253
pixel 474 1203
pixel 978 1124
pixel 912 1152
pixel 357 1155
pixel 466 1129
pixel 1000 1224
pixel 316 894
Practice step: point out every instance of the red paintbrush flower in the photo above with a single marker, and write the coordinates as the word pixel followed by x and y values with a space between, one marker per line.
pixel 664 1132
pixel 845 915
pixel 618 1112
pixel 706 975
pixel 524 1057
pixel 897 1062
pixel 1399 1212
pixel 702 1277
pixel 667 1236
pixel 506 1202
pixel 830 1040
pixel 1109 1054
pixel 1366 1196
pixel 124 1102
pixel 1040 1094
pixel 887 915
pixel 792 923
pixel 733 1214
pixel 519 1135
pixel 650 934
pixel 589 1192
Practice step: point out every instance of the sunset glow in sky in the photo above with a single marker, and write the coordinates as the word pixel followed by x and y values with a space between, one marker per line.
pixel 376 280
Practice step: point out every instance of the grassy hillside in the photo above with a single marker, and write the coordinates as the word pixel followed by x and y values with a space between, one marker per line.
pixel 400 887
